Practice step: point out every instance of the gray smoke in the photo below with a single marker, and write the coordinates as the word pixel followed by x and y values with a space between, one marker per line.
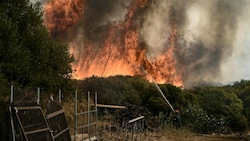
pixel 207 33
pixel 99 14
pixel 212 42
pixel 35 1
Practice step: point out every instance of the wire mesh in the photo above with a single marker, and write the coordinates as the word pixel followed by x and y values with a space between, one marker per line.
pixel 33 124
pixel 57 121
pixel 86 121
pixel 29 122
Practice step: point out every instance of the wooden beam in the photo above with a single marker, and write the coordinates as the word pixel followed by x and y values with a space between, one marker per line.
pixel 110 106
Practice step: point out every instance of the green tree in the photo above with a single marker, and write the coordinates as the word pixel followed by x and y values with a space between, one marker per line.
pixel 29 56
pixel 245 97
pixel 222 104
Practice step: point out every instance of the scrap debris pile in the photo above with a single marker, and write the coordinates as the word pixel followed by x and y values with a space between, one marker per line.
pixel 134 111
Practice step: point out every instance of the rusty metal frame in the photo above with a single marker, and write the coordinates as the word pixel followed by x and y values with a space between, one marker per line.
pixel 54 114
pixel 26 133
pixel 89 120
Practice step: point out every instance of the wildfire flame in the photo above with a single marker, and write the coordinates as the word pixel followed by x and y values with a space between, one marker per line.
pixel 164 68
pixel 120 52
pixel 62 15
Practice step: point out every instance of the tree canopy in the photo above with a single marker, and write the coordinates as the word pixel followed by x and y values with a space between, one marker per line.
pixel 205 109
pixel 28 55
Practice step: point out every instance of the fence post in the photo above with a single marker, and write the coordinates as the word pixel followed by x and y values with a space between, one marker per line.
pixel 75 130
pixel 89 114
pixel 59 97
pixel 10 110
pixel 38 95
pixel 11 94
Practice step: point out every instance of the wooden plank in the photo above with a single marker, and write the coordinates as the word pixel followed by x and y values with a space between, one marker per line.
pixel 135 119
pixel 110 106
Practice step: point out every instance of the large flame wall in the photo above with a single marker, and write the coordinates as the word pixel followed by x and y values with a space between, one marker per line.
pixel 168 41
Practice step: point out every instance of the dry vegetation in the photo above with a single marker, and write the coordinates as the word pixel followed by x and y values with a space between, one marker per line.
pixel 107 130
pixel 167 134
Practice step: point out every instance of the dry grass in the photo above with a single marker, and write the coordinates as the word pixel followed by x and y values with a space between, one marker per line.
pixel 111 133
pixel 170 133
pixel 166 134
pixel 69 110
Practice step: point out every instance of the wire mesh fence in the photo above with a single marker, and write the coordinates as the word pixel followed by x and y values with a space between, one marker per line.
pixel 33 124
pixel 86 120
pixel 29 122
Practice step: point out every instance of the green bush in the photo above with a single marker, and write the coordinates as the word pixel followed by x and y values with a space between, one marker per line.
pixel 199 121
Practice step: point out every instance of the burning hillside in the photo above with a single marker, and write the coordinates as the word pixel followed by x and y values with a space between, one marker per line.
pixel 166 41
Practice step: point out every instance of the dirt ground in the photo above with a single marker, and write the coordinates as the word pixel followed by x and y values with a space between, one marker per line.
pixel 221 138
pixel 160 138
pixel 174 137
pixel 198 138
pixel 167 134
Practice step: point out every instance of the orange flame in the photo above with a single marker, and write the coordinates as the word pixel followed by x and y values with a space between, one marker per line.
pixel 61 15
pixel 120 52
pixel 164 68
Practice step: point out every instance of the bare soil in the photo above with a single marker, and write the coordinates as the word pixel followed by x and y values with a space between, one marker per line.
pixel 172 137
pixel 198 138
pixel 218 138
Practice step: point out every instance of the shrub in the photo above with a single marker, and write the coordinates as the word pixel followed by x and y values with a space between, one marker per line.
pixel 199 121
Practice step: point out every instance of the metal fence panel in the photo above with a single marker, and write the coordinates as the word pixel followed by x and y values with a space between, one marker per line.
pixel 33 123
pixel 57 121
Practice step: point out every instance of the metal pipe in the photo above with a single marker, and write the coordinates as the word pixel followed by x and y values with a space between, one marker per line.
pixel 12 124
pixel 38 95
pixel 75 132
pixel 96 118
pixel 89 114
pixel 60 95
pixel 10 110
pixel 11 94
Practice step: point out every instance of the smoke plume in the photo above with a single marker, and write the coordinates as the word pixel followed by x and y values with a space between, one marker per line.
pixel 183 42
pixel 207 33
